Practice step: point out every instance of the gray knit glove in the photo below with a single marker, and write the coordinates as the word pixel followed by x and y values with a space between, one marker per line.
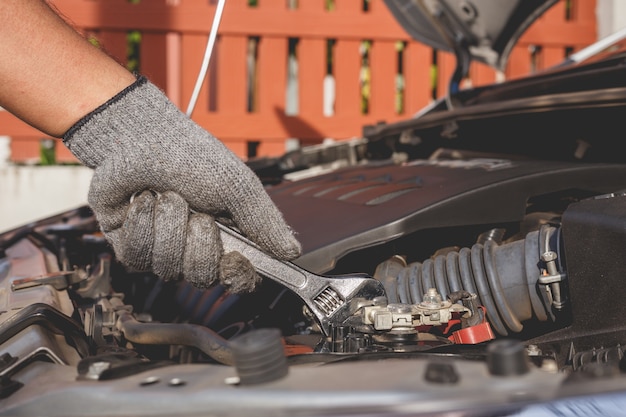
pixel 180 179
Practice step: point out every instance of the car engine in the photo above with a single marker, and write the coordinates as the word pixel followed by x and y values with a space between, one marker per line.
pixel 500 287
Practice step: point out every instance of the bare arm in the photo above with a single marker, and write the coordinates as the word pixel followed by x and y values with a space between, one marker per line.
pixel 50 76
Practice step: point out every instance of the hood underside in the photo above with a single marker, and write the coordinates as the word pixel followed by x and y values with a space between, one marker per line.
pixel 484 29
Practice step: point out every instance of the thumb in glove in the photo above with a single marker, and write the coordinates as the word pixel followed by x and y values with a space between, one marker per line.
pixel 183 178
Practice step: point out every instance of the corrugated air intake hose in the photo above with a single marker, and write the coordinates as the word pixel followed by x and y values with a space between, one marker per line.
pixel 505 278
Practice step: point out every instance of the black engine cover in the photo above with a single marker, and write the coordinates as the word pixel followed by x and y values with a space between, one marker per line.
pixel 359 207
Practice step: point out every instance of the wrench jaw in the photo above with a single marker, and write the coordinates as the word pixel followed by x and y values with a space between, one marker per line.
pixel 341 297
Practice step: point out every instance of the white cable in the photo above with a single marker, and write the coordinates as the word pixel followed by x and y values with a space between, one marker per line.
pixel 207 57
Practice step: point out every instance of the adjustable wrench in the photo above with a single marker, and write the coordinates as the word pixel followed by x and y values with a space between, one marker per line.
pixel 331 299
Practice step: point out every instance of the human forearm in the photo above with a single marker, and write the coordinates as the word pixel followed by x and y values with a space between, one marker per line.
pixel 50 76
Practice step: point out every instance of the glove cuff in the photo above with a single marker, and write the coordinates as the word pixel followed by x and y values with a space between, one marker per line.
pixel 104 129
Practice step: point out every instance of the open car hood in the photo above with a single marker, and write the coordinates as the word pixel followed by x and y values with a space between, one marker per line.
pixel 484 30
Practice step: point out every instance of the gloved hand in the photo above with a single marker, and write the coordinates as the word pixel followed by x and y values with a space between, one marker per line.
pixel 180 179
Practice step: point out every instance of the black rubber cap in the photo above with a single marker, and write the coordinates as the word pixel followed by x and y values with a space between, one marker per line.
pixel 259 356
pixel 507 357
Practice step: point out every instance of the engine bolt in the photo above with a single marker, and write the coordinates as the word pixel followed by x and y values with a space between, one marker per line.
pixel 432 299
pixel 549 258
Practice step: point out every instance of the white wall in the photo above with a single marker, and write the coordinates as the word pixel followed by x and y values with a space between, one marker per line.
pixel 5 152
pixel 29 193
pixel 611 15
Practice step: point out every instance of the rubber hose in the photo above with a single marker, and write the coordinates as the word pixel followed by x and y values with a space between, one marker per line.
pixel 503 276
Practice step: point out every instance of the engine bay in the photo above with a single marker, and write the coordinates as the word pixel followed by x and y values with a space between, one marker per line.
pixel 472 315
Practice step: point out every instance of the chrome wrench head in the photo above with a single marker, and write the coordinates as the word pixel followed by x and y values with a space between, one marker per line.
pixel 331 299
